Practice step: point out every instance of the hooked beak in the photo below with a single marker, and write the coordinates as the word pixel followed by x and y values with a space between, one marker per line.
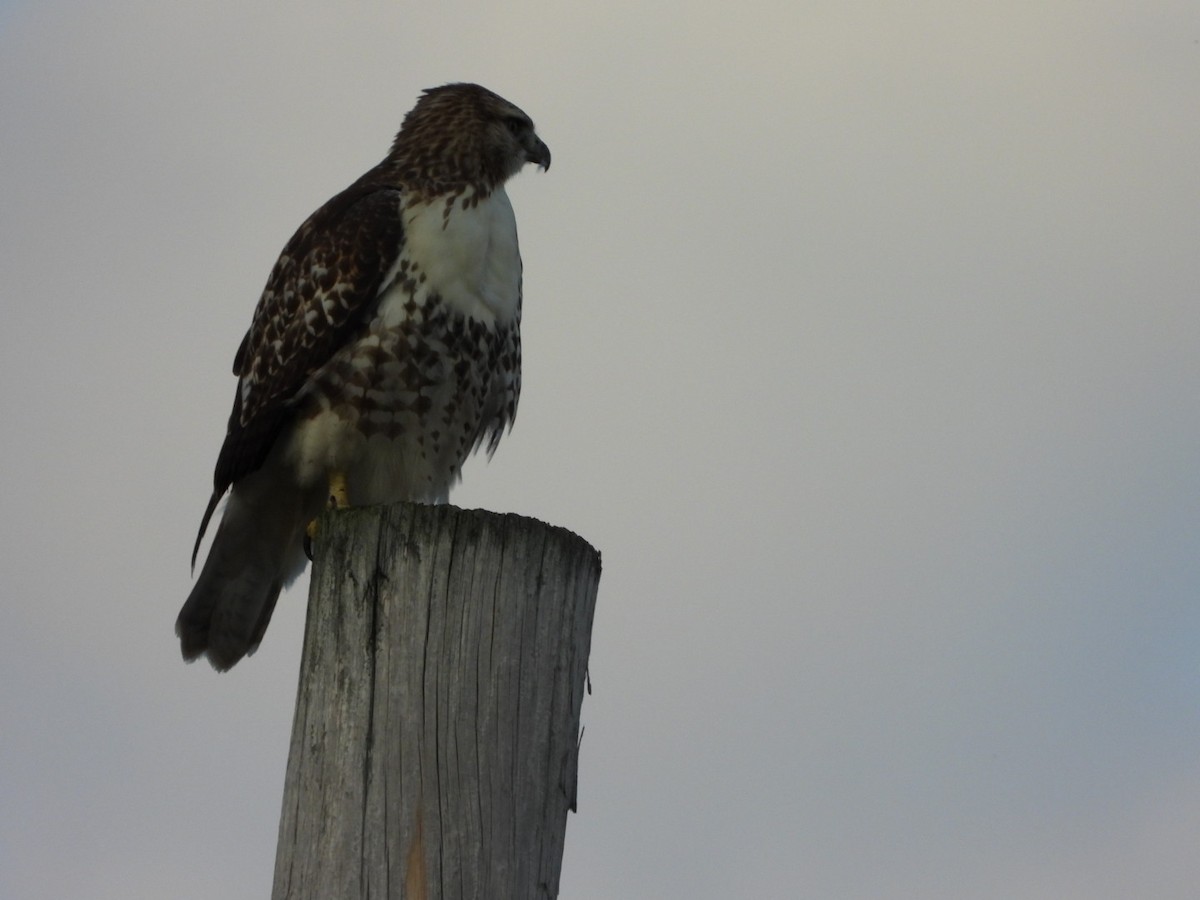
pixel 538 153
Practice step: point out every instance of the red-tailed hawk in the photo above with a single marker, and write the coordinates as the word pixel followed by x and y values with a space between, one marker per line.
pixel 385 349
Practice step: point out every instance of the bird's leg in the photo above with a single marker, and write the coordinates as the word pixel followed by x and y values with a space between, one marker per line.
pixel 339 498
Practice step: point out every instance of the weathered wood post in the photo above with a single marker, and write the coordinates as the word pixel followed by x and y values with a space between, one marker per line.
pixel 435 742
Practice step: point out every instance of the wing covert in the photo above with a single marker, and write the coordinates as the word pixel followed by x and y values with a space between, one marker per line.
pixel 328 276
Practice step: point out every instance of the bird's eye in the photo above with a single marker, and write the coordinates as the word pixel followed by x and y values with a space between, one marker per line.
pixel 515 124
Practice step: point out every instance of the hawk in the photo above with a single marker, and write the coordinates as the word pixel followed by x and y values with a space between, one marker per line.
pixel 384 350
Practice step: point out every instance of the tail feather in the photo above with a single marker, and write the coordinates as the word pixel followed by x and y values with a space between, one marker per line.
pixel 258 550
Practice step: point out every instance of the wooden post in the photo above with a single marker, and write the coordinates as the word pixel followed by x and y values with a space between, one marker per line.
pixel 436 737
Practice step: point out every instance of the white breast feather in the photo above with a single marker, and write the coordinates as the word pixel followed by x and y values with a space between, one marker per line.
pixel 471 257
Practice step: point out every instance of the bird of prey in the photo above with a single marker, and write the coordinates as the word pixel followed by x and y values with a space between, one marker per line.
pixel 384 350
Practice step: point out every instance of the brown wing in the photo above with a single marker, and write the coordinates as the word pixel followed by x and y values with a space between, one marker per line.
pixel 328 276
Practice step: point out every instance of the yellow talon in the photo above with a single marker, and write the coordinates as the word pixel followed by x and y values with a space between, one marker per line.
pixel 339 498
pixel 339 495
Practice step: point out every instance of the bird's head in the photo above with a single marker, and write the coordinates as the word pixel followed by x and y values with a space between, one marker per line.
pixel 466 133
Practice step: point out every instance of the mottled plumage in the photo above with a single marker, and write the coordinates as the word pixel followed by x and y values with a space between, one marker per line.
pixel 385 348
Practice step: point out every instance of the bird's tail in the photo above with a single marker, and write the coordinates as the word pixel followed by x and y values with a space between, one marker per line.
pixel 258 550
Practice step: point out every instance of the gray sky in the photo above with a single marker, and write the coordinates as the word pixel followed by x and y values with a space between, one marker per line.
pixel 860 337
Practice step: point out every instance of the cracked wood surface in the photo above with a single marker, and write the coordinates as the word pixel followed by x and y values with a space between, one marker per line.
pixel 435 742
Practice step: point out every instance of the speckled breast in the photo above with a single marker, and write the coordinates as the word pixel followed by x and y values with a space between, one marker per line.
pixel 438 382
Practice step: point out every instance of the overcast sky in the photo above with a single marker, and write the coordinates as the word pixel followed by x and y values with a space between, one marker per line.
pixel 861 338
